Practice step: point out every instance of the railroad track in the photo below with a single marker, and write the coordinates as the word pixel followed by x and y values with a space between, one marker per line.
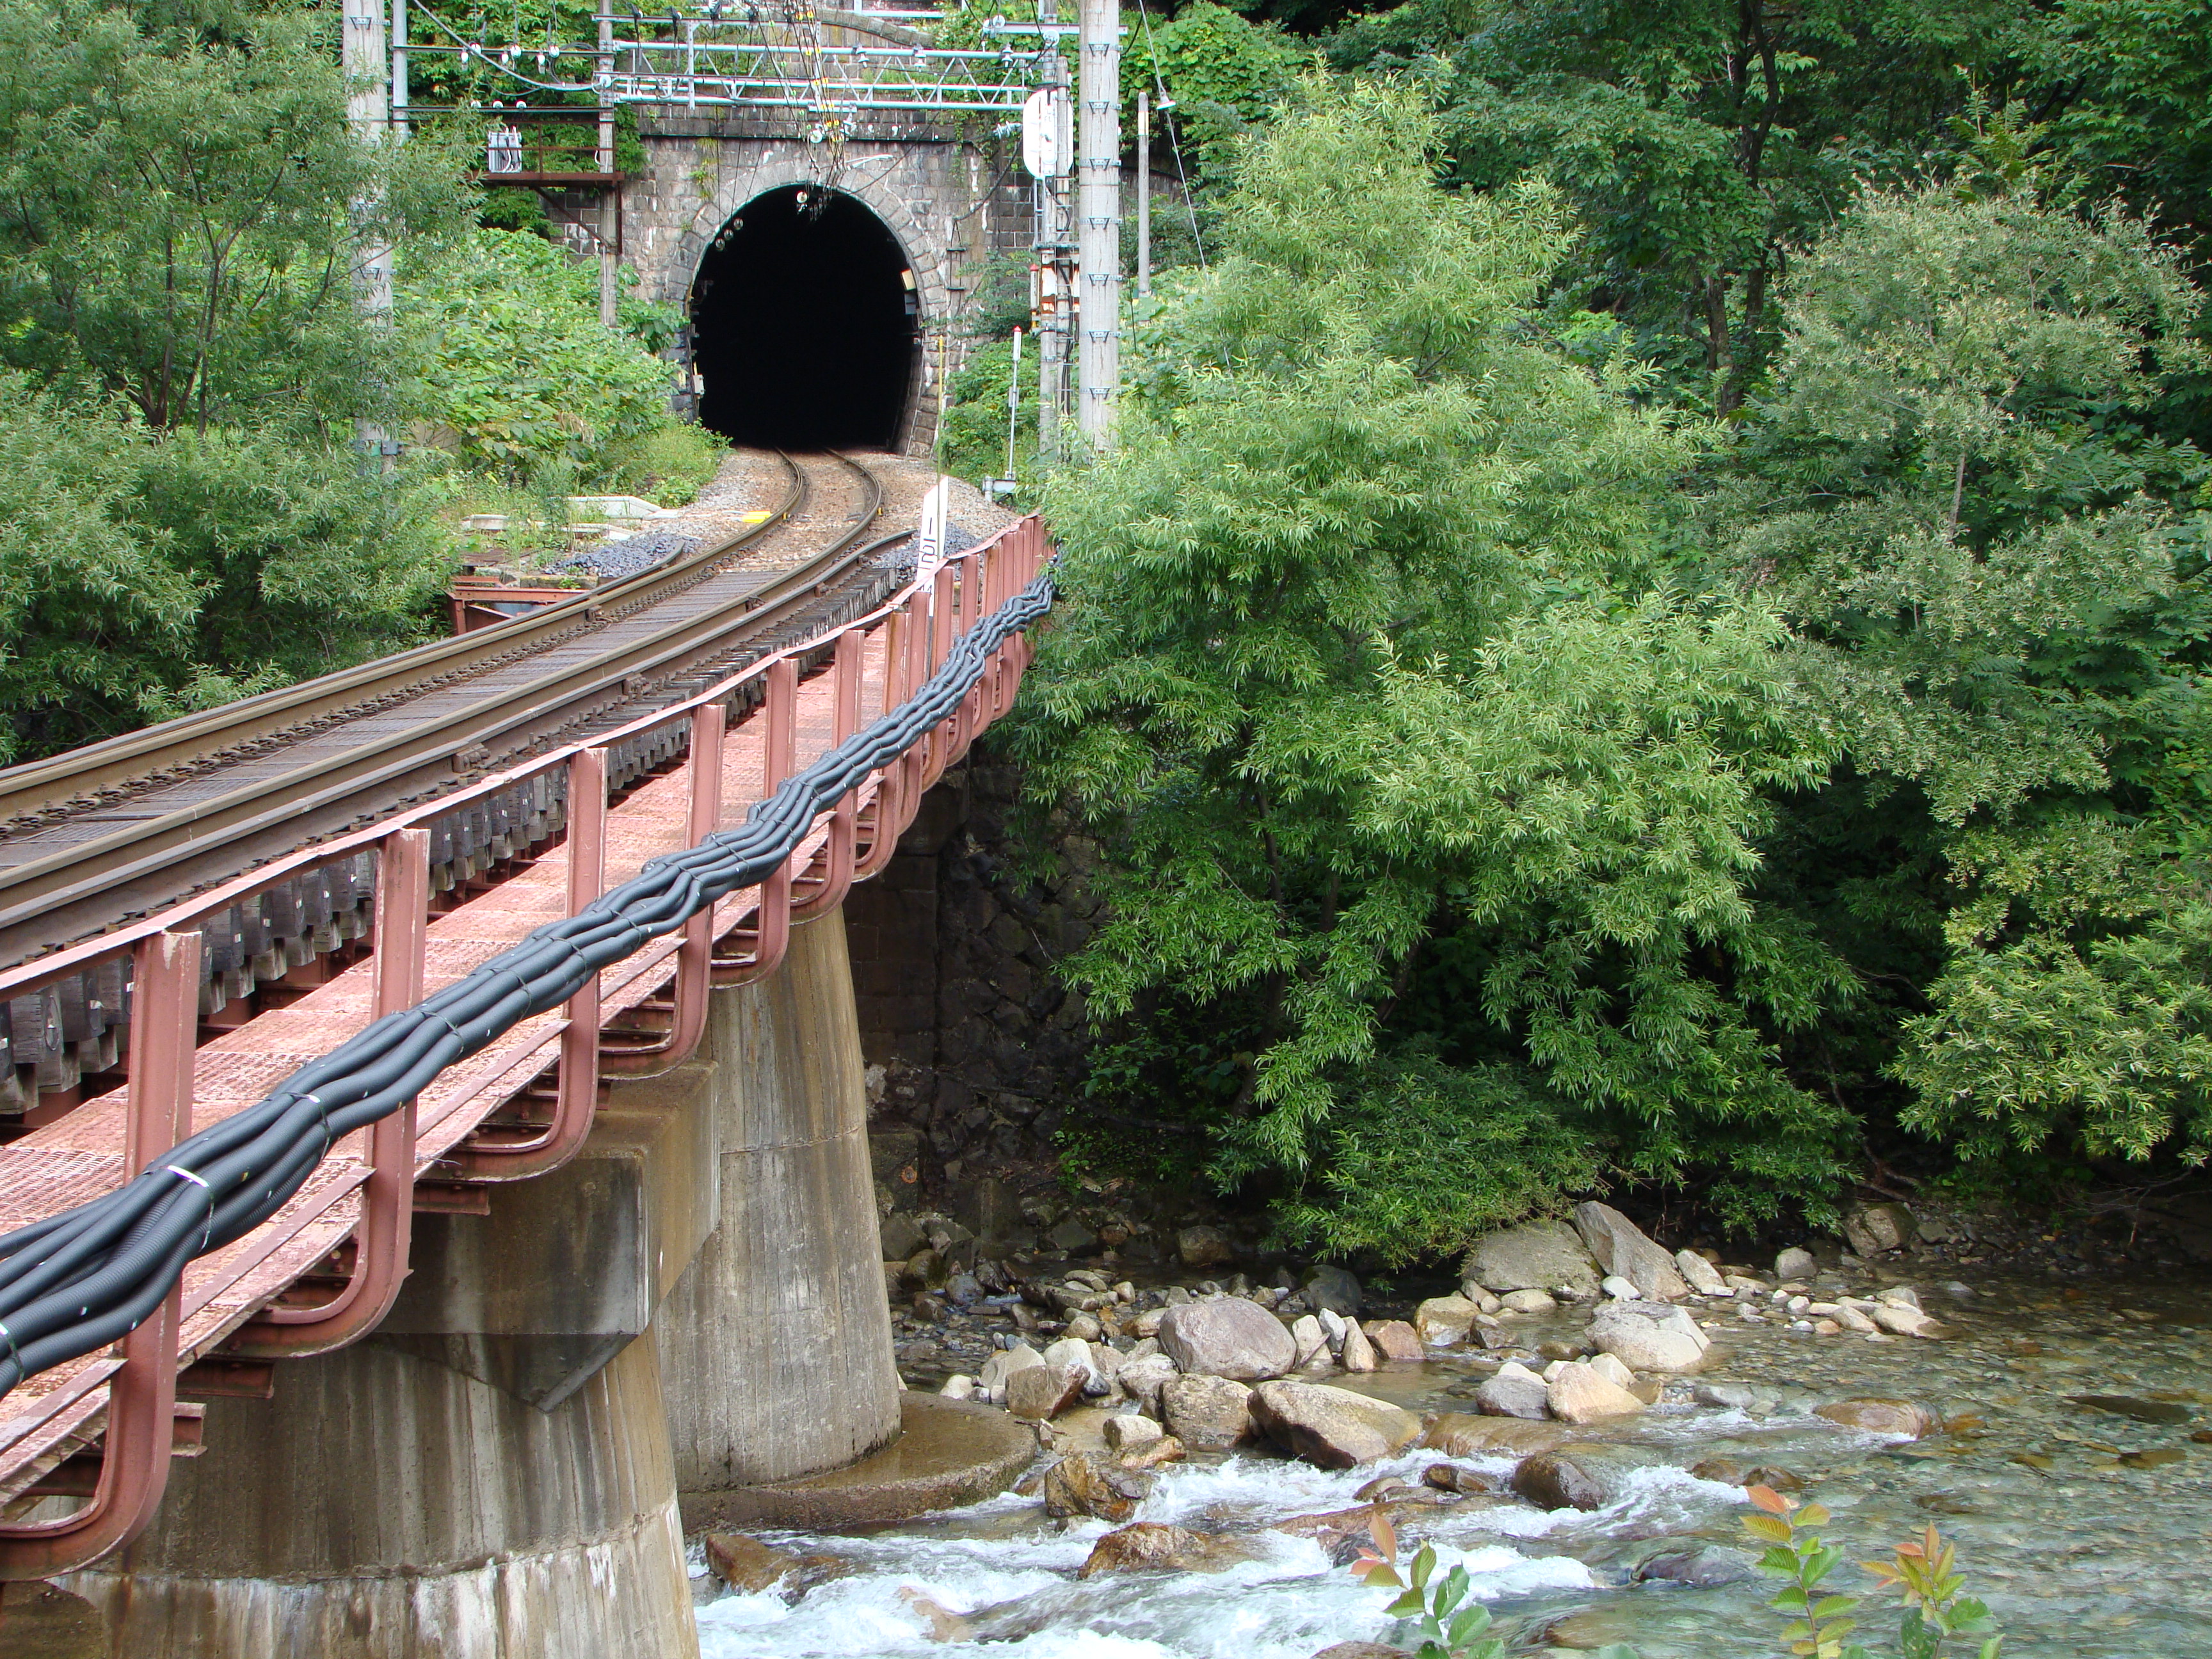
pixel 117 829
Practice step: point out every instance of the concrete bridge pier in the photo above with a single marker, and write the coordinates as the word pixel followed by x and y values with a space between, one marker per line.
pixel 505 1470
pixel 775 1343
pixel 382 1505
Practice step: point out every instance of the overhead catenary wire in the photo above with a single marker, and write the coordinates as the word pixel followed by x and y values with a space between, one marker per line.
pixel 72 1283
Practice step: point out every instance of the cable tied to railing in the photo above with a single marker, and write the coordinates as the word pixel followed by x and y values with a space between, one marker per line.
pixel 77 1281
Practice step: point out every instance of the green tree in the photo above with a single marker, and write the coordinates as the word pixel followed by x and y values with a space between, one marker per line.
pixel 184 212
pixel 183 216
pixel 1954 493
pixel 1702 143
pixel 515 370
pixel 1374 680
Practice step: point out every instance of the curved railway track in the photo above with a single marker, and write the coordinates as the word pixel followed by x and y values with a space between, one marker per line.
pixel 113 830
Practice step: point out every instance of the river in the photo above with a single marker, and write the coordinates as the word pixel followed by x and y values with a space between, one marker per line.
pixel 2084 1526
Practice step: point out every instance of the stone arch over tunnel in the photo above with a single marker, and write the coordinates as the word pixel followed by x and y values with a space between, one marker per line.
pixel 805 325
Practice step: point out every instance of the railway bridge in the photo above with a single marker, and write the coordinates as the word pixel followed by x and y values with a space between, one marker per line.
pixel 436 1172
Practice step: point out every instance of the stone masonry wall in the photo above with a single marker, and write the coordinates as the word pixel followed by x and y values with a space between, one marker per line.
pixel 975 1047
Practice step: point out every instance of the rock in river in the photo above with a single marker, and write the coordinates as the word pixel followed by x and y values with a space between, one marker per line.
pixel 1080 1484
pixel 1461 1434
pixel 1575 1477
pixel 1332 1428
pixel 1228 1337
pixel 1577 1394
pixel 1041 1393
pixel 1879 1416
pixel 1872 1229
pixel 1394 1339
pixel 1693 1562
pixel 1621 1247
pixel 1333 1288
pixel 1359 1353
pixel 1207 1414
pixel 1541 1255
pixel 1442 1320
pixel 1650 1336
pixel 1700 1274
pixel 1203 1247
pixel 1515 1391
pixel 1148 1546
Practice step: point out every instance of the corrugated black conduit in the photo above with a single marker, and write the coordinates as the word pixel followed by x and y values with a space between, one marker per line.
pixel 77 1281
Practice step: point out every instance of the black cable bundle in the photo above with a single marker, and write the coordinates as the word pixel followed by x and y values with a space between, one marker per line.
pixel 77 1281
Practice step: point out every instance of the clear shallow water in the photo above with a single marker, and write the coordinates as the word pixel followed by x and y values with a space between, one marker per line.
pixel 2080 1553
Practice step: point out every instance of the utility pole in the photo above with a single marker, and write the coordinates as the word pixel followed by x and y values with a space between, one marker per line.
pixel 1055 303
pixel 402 95
pixel 1144 194
pixel 610 195
pixel 368 108
pixel 1099 204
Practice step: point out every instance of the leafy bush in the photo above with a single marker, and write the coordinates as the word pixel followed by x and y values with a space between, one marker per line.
pixel 1371 642
pixel 1921 1570
pixel 516 369
pixel 1438 1614
pixel 971 439
pixel 143 575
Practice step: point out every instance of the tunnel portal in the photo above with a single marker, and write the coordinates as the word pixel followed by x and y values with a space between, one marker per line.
pixel 803 317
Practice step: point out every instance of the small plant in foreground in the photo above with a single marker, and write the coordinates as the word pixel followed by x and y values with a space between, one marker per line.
pixel 1921 1570
pixel 1449 1624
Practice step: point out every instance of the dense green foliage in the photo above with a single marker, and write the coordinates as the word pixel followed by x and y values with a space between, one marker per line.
pixel 185 222
pixel 1704 145
pixel 1516 780
pixel 180 233
pixel 1221 71
pixel 517 371
pixel 1375 679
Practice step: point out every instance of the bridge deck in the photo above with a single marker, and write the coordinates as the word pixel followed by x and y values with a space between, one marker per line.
pixel 80 1156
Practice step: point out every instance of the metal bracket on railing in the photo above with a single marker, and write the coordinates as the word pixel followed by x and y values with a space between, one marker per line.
pixel 484 1158
pixel 387 1197
pixel 761 947
pixel 822 886
pixel 141 1396
pixel 694 957
pixel 882 821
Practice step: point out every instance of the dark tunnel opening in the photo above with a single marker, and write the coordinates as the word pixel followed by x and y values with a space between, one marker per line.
pixel 802 324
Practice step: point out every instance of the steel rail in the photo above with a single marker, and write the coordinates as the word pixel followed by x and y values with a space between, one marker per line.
pixel 78 1280
pixel 79 888
pixel 37 786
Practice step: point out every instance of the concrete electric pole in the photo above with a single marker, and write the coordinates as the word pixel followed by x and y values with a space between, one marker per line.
pixel 368 107
pixel 1052 155
pixel 1099 233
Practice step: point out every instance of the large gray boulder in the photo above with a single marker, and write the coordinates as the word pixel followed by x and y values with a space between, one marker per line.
pixel 1332 1428
pixel 1872 1229
pixel 1624 1248
pixel 1207 1414
pixel 1513 1391
pixel 1336 1289
pixel 1538 1256
pixel 1650 1336
pixel 1228 1337
pixel 1040 1393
